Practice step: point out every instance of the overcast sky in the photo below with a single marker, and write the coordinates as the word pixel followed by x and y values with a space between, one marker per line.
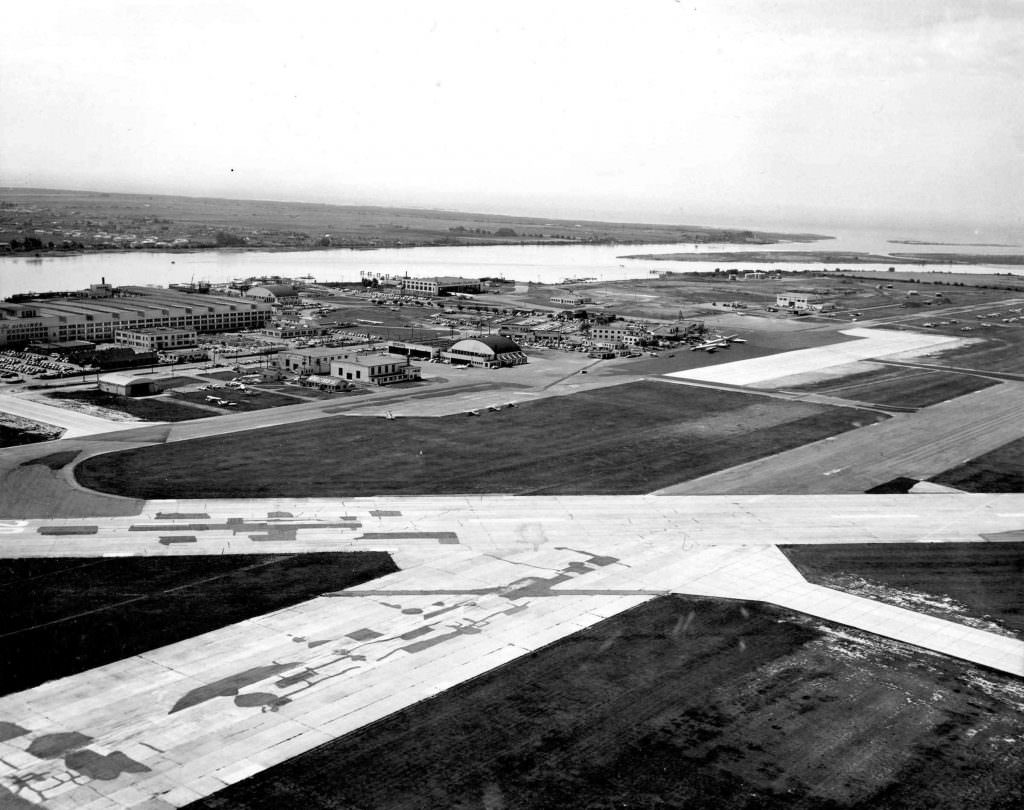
pixel 756 112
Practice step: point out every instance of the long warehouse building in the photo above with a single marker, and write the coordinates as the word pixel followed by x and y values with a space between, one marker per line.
pixel 98 319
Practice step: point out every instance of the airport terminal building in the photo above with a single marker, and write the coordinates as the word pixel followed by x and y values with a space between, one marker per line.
pixel 379 368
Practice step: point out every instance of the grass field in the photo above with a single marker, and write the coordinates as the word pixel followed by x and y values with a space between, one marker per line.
pixel 256 401
pixel 984 580
pixel 630 438
pixel 62 616
pixel 1002 470
pixel 900 387
pixel 1003 350
pixel 153 409
pixel 681 703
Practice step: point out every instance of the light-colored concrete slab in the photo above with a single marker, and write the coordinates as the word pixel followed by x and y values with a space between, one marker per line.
pixel 487 579
pixel 872 343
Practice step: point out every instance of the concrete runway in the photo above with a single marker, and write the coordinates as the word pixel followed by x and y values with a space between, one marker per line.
pixel 484 580
pixel 75 423
pixel 873 343
pixel 915 445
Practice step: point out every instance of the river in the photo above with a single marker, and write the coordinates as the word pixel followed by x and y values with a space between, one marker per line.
pixel 535 263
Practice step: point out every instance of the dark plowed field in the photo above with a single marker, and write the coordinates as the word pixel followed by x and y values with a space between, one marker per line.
pixel 680 703
pixel 985 580
pixel 62 616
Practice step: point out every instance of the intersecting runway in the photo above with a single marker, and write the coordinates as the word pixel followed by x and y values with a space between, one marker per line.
pixel 872 343
pixel 484 580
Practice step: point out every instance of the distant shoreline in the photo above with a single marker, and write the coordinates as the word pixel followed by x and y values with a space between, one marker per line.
pixel 56 254
pixel 948 244
pixel 50 222
pixel 841 257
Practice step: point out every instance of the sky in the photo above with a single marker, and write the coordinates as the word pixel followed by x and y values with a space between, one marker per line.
pixel 757 113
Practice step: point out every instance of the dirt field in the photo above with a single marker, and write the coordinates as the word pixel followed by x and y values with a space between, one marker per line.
pixel 622 439
pixel 62 616
pixel 1002 470
pixel 682 703
pixel 900 387
pixel 19 431
pixel 955 581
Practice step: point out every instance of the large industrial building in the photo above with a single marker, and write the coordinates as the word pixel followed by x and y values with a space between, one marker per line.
pixel 50 320
pixel 492 351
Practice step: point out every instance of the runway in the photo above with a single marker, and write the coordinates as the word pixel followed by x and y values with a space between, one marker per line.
pixel 75 423
pixel 484 580
pixel 873 343
pixel 916 445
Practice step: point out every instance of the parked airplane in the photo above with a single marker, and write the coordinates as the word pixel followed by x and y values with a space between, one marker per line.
pixel 710 345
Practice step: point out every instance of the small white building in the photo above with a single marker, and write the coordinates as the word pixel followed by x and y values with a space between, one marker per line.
pixel 797 301
pixel 378 368
pixel 130 385
pixel 571 299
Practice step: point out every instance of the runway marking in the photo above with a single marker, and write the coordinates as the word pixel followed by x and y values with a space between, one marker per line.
pixel 68 529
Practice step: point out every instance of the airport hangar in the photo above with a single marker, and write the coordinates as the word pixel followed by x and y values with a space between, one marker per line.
pixel 492 351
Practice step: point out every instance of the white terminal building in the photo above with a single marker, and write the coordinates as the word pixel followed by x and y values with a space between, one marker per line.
pixel 378 368
pixel 435 285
